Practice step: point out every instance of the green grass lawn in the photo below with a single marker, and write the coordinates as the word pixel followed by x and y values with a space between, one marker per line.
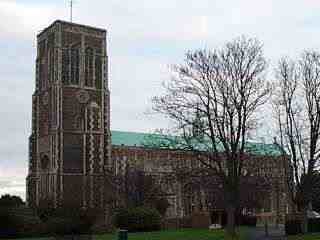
pixel 182 234
pixel 313 236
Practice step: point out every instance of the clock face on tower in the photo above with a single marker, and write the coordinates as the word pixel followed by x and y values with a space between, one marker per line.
pixel 83 96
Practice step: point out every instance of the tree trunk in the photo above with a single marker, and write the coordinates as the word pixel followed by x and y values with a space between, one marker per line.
pixel 304 219
pixel 231 226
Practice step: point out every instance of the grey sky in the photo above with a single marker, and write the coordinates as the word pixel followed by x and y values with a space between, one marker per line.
pixel 144 37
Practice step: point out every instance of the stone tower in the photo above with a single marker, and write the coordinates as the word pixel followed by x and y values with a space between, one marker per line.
pixel 70 141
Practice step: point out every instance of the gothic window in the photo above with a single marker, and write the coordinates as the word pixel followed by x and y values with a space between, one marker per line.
pixel 42 80
pixel 54 107
pixel 51 65
pixel 98 71
pixel 71 65
pixel 37 73
pixel 65 66
pixel 89 58
pixel 75 63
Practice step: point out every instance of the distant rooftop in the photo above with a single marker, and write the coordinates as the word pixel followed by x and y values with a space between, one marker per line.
pixel 134 139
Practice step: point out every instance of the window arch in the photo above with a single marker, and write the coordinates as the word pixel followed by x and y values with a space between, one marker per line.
pixel 71 65
pixel 51 65
pixel 98 71
pixel 89 61
pixel 65 65
pixel 75 63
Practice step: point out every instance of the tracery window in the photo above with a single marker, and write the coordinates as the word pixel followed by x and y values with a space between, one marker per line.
pixel 65 66
pixel 51 65
pixel 75 63
pixel 71 65
pixel 89 60
pixel 98 71
pixel 38 74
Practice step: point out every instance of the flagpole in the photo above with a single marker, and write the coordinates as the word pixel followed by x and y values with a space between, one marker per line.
pixel 71 6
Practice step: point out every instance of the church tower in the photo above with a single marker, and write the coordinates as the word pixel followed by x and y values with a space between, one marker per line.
pixel 69 147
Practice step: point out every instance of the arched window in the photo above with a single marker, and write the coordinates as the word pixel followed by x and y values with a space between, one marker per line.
pixel 89 58
pixel 98 71
pixel 71 65
pixel 65 65
pixel 51 65
pixel 75 62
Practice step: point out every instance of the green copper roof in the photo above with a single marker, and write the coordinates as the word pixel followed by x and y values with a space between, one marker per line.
pixel 121 138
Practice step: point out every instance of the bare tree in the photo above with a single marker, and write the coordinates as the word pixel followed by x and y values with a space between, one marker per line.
pixel 297 107
pixel 207 187
pixel 212 101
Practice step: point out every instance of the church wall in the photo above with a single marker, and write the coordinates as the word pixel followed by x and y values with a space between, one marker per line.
pixel 73 189
pixel 157 162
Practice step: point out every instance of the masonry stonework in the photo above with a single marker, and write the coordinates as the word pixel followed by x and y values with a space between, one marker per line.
pixel 70 127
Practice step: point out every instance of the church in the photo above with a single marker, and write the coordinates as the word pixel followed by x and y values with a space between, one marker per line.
pixel 71 144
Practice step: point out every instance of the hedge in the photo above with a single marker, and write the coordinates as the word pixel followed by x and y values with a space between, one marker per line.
pixel 314 225
pixel 138 219
pixel 293 227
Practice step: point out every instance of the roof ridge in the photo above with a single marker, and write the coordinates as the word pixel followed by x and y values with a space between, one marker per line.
pixel 137 139
pixel 146 133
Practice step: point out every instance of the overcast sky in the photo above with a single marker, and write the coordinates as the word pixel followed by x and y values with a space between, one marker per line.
pixel 144 37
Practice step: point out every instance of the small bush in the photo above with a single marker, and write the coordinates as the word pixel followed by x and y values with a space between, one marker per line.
pixel 314 225
pixel 69 220
pixel 13 225
pixel 138 219
pixel 9 225
pixel 293 227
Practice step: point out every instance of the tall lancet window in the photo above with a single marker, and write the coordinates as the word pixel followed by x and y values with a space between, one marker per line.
pixel 89 58
pixel 65 65
pixel 71 65
pixel 98 71
pixel 75 63
pixel 51 65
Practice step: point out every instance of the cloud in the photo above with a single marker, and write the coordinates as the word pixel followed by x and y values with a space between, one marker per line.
pixel 24 20
pixel 12 180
